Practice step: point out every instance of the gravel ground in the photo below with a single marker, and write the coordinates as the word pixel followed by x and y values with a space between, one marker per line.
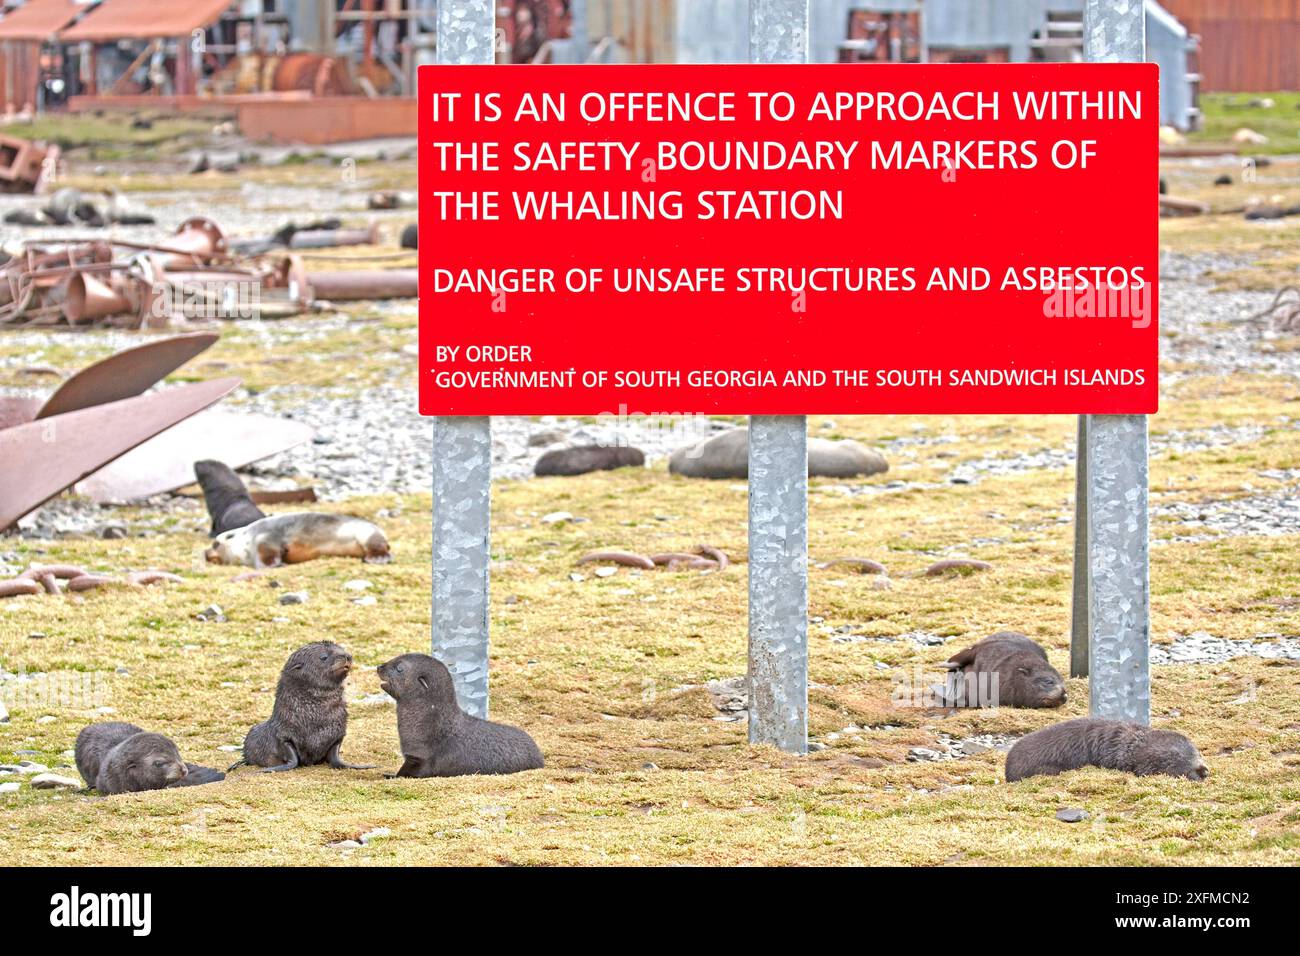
pixel 376 442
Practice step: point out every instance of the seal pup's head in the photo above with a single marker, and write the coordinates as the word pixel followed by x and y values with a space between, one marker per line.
pixel 1034 682
pixel 146 762
pixel 322 664
pixel 1169 752
pixel 231 547
pixel 418 677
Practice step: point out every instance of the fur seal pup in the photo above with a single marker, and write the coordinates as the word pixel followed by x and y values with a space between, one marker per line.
pixel 303 536
pixel 1110 744
pixel 1025 678
pixel 309 718
pixel 226 497
pixel 438 738
pixel 127 765
pixel 568 462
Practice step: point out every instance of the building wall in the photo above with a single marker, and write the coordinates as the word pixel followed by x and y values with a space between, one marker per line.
pixel 1246 45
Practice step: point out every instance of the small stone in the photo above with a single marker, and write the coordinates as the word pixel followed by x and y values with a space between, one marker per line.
pixel 1071 815
pixel 814 747
pixel 650 765
pixel 112 532
pixel 366 600
pixel 31 768
pixel 293 597
pixel 36 636
pixel 230 748
pixel 4 713
pixel 575 577
pixel 378 833
pixel 52 781
pixel 556 517
pixel 512 599
pixel 47 719
pixel 9 787
pixel 346 845
pixel 606 572
pixel 357 584
pixel 212 613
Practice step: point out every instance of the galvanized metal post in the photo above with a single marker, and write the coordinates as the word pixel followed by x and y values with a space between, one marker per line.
pixel 1079 599
pixel 1115 457
pixel 462 455
pixel 778 494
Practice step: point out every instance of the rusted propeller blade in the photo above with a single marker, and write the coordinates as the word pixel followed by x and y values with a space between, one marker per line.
pixel 15 410
pixel 126 373
pixel 166 462
pixel 40 459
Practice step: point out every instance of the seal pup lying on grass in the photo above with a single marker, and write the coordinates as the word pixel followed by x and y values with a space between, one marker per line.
pixel 115 757
pixel 438 738
pixel 1110 744
pixel 294 538
pixel 309 718
pixel 227 499
pixel 1024 678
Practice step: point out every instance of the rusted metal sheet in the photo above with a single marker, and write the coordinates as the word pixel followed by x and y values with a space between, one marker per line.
pixel 166 462
pixel 144 19
pixel 39 19
pixel 16 410
pixel 126 373
pixel 40 459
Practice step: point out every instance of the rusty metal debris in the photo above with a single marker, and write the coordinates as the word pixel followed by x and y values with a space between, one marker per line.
pixel 196 274
pixel 26 167
pixel 126 373
pixel 38 578
pixel 39 459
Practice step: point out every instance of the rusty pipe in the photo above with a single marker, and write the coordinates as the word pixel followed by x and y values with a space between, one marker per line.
pixel 356 286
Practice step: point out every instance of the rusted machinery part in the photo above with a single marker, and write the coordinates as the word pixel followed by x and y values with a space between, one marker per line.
pixel 18 587
pixel 88 582
pixel 356 286
pixel 956 564
pixel 144 578
pixel 626 558
pixel 34 468
pixel 709 551
pixel 863 565
pixel 371 235
pixel 126 373
pixel 64 572
pixel 197 240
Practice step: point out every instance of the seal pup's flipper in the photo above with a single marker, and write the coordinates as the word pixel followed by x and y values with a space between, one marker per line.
pixel 337 762
pixel 197 776
pixel 226 497
pixel 291 764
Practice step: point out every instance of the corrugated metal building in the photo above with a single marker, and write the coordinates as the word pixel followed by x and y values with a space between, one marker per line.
pixel 715 31
pixel 1247 45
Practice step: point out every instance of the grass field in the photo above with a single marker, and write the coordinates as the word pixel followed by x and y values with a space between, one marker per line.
pixel 611 674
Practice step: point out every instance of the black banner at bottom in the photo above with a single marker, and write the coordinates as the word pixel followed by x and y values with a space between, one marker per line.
pixel 406 906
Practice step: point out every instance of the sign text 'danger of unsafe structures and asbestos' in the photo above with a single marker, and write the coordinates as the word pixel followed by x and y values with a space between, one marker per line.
pixel 788 239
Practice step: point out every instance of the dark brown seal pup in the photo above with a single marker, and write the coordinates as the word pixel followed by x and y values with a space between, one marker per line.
pixel 1110 744
pixel 142 761
pixel 1025 679
pixel 567 462
pixel 309 718
pixel 110 751
pixel 226 497
pixel 438 738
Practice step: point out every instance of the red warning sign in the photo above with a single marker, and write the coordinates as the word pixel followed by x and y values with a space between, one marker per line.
pixel 788 239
